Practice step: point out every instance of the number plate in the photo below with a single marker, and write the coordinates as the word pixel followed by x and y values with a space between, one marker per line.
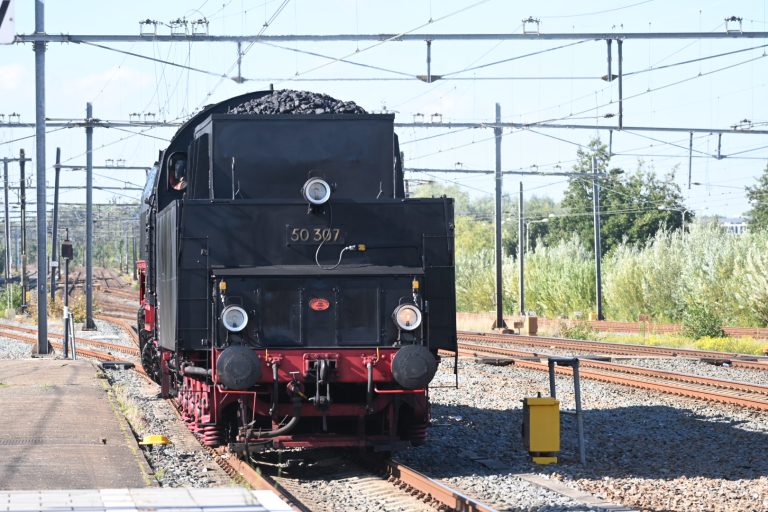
pixel 314 235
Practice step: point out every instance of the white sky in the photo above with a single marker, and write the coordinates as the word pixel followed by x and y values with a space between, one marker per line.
pixel 709 95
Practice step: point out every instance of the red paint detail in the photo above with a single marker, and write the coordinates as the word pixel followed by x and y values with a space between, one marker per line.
pixel 331 441
pixel 165 374
pixel 398 391
pixel 349 364
pixel 149 317
pixel 319 304
pixel 141 266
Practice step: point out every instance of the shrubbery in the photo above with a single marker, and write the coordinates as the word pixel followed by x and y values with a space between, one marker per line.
pixel 705 275
pixel 578 331
pixel 701 321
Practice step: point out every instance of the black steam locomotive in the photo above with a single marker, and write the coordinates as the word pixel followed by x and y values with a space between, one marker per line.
pixel 291 296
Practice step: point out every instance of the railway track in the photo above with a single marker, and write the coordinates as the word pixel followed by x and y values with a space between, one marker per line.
pixel 29 335
pixel 404 488
pixel 601 347
pixel 727 392
pixel 392 485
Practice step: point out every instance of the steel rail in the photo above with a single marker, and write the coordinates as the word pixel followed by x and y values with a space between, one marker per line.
pixel 728 392
pixel 438 491
pixel 122 323
pixel 617 348
pixel 11 331
pixel 235 468
pixel 649 372
pixel 102 356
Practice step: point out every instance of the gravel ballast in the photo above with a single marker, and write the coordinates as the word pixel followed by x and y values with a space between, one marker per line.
pixel 645 450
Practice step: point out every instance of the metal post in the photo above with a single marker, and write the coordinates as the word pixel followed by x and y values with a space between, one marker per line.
pixel 7 225
pixel 133 243
pixel 573 362
pixel 499 322
pixel 55 229
pixel 690 159
pixel 719 144
pixel 610 143
pixel 610 70
pixel 552 386
pixel 66 307
pixel 579 416
pixel 23 201
pixel 89 323
pixel 598 241
pixel 429 61
pixel 42 302
pixel 66 298
pixel 239 62
pixel 520 251
pixel 620 43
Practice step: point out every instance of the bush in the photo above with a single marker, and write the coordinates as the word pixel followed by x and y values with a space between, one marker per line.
pixel 745 345
pixel 10 296
pixel 578 331
pixel 560 279
pixel 700 320
pixel 77 307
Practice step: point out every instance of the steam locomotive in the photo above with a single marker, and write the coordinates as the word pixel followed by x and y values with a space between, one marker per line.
pixel 290 294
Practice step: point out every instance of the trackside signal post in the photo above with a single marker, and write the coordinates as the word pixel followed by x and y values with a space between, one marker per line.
pixel 66 254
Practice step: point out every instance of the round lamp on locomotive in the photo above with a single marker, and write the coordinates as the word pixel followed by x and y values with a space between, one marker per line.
pixel 407 317
pixel 234 318
pixel 316 191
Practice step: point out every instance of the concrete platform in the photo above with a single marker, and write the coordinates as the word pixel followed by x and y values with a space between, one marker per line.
pixel 60 428
pixel 233 499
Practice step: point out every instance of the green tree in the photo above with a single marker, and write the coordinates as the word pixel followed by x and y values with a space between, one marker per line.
pixel 475 217
pixel 629 203
pixel 537 211
pixel 757 195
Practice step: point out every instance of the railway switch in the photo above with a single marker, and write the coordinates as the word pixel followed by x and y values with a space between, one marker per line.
pixel 541 428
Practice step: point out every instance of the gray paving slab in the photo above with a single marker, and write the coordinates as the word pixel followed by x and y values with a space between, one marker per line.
pixel 60 429
pixel 220 499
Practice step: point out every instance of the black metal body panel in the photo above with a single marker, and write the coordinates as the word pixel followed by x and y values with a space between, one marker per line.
pixel 274 155
pixel 245 243
pixel 167 275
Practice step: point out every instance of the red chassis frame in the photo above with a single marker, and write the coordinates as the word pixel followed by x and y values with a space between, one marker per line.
pixel 203 404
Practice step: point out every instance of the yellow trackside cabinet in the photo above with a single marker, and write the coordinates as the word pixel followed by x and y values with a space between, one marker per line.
pixel 541 428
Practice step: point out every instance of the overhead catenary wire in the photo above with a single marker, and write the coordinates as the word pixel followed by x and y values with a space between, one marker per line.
pixel 392 38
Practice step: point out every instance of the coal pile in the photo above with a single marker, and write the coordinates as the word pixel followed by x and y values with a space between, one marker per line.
pixel 296 102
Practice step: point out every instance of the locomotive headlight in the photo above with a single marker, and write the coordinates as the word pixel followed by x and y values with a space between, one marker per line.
pixel 407 317
pixel 316 191
pixel 234 318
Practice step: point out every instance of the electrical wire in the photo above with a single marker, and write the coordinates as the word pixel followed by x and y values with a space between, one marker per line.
pixel 5 142
pixel 596 12
pixel 341 255
pixel 139 133
pixel 691 61
pixel 393 38
pixel 153 59
pixel 518 57
pixel 315 54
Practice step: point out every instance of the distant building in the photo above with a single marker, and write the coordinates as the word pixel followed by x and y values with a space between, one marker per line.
pixel 734 225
